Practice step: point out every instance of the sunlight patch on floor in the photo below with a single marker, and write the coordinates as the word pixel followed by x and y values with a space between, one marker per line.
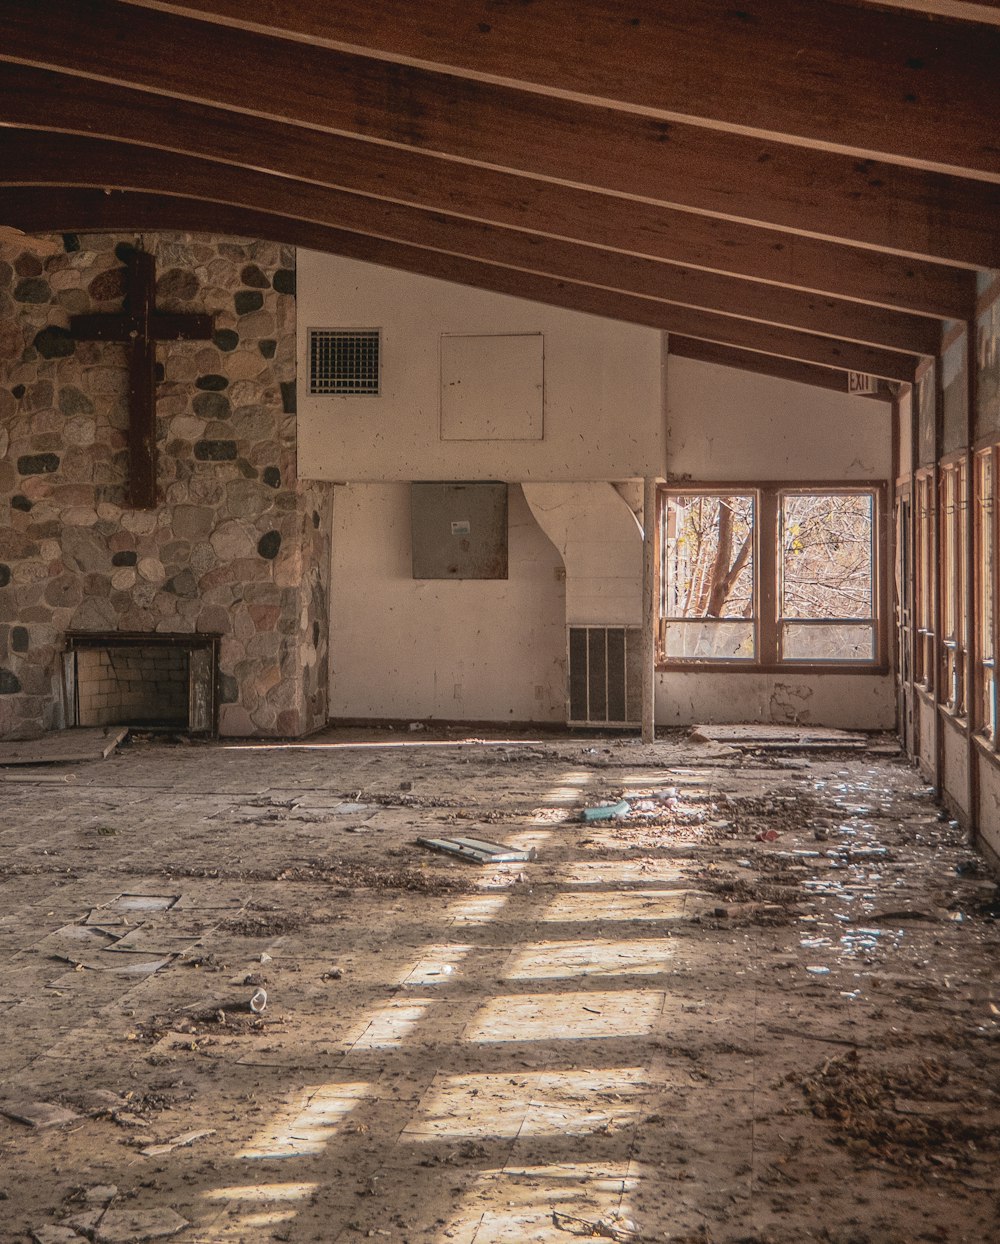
pixel 479 909
pixel 308 1126
pixel 529 839
pixel 545 1205
pixel 621 872
pixel 262 1192
pixel 595 906
pixel 568 793
pixel 528 1103
pixel 437 967
pixel 557 960
pixel 389 1026
pixel 566 1016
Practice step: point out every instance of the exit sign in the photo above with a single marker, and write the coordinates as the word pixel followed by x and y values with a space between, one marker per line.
pixel 859 382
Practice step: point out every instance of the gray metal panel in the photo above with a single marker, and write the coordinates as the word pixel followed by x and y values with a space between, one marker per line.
pixel 459 531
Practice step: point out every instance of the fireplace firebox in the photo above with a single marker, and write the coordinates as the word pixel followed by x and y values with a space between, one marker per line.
pixel 148 681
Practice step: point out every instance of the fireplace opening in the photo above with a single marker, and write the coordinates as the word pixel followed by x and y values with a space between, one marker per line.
pixel 147 681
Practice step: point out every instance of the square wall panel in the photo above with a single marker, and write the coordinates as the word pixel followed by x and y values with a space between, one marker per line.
pixel 492 387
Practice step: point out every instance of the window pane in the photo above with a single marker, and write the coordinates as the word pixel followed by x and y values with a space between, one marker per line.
pixel 708 640
pixel 827 642
pixel 708 556
pixel 826 555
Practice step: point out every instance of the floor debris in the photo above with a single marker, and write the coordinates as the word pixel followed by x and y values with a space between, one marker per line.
pixel 80 743
pixel 620 1034
pixel 607 812
pixel 133 1226
pixel 178 1142
pixel 38 1113
pixel 478 850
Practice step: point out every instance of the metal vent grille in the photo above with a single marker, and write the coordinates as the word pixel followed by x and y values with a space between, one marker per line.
pixel 343 360
pixel 605 675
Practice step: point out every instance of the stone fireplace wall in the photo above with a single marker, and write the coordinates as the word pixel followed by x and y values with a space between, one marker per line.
pixel 237 544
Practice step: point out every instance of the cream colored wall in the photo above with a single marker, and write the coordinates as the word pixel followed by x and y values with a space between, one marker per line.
pixel 731 425
pixel 989 803
pixel 725 425
pixel 600 543
pixel 847 701
pixel 603 395
pixel 467 650
pixel 955 764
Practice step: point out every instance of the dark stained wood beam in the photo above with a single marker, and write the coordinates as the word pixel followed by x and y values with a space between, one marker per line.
pixel 736 175
pixel 32 97
pixel 765 365
pixel 75 209
pixel 862 79
pixel 987 11
pixel 29 157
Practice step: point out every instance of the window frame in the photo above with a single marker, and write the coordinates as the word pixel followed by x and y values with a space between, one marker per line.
pixel 663 618
pixel 953 502
pixel 985 679
pixel 924 567
pixel 767 582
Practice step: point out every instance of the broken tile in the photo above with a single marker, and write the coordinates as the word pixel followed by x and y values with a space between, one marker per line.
pixel 122 1225
pixel 40 1114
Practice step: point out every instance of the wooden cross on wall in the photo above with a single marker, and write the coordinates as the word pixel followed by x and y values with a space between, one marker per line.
pixel 140 326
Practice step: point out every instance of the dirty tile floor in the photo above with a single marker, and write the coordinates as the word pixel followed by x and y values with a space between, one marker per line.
pixel 672 1027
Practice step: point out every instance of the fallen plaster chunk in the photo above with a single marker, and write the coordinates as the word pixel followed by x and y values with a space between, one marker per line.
pixel 100 1194
pixel 130 1226
pixel 85 1223
pixel 96 1101
pixel 178 1142
pixel 38 1113
pixel 54 1235
pixel 478 850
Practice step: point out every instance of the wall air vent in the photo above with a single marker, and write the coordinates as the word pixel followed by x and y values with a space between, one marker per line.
pixel 344 360
pixel 605 675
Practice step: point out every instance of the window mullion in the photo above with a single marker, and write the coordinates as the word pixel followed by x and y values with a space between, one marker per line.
pixel 767 576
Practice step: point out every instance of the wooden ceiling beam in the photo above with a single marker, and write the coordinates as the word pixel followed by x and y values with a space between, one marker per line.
pixel 983 11
pixel 765 365
pixel 841 197
pixel 74 209
pixel 28 157
pixel 871 82
pixel 32 97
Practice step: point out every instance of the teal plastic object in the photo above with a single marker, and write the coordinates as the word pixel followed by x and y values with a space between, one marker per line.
pixel 607 813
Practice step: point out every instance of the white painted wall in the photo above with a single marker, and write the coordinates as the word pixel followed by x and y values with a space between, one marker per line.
pixel 603 391
pixel 600 542
pixel 725 426
pixel 467 650
pixel 730 425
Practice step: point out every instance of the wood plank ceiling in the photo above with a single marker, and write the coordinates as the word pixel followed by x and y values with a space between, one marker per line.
pixel 800 188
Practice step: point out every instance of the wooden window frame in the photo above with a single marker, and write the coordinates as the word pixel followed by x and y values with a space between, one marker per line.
pixel 767 570
pixel 925 614
pixel 953 500
pixel 985 712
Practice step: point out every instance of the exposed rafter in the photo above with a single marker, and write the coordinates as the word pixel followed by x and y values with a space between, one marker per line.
pixel 76 209
pixel 30 158
pixel 870 82
pixel 767 365
pixel 868 201
pixel 31 97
